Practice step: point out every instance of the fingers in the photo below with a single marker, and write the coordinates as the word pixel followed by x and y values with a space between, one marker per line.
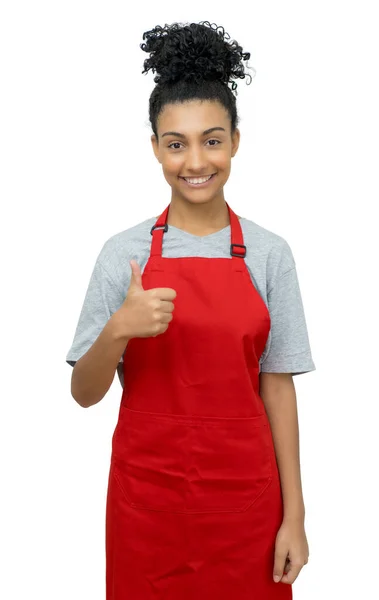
pixel 279 564
pixel 167 306
pixel 287 571
pixel 166 317
pixel 164 293
pixel 293 572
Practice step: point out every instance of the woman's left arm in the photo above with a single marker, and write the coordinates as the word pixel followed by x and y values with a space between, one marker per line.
pixel 278 393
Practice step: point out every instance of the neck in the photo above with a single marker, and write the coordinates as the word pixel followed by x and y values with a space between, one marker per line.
pixel 199 219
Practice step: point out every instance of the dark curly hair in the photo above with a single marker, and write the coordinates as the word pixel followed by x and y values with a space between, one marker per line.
pixel 193 61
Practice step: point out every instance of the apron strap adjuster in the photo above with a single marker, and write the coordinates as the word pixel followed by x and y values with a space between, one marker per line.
pixel 165 226
pixel 238 253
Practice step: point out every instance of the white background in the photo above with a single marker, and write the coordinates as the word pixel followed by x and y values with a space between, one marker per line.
pixel 77 167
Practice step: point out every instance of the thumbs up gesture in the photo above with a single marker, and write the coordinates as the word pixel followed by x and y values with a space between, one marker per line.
pixel 144 313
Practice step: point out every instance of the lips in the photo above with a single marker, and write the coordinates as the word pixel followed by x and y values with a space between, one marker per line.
pixel 198 185
pixel 199 176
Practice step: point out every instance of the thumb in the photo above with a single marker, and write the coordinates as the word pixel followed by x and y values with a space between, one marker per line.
pixel 279 562
pixel 136 278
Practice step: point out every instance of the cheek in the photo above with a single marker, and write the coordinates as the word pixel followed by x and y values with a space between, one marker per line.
pixel 171 165
pixel 223 166
pixel 222 160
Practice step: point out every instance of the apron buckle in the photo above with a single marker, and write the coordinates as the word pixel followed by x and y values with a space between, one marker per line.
pixel 238 253
pixel 165 226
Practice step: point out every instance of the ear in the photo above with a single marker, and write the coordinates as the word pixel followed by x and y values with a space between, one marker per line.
pixel 235 141
pixel 154 143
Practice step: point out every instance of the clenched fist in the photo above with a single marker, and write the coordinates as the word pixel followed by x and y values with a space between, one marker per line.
pixel 144 313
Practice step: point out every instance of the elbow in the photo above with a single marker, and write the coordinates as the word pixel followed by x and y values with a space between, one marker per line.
pixel 79 399
pixel 82 396
pixel 81 402
pixel 84 400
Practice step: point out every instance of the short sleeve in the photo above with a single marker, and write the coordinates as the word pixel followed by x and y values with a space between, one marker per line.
pixel 102 299
pixel 287 349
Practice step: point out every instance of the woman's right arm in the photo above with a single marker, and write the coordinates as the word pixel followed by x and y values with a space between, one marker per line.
pixel 144 313
pixel 94 372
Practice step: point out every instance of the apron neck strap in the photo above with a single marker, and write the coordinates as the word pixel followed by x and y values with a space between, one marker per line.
pixel 237 247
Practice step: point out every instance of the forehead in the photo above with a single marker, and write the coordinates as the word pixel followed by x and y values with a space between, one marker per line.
pixel 192 116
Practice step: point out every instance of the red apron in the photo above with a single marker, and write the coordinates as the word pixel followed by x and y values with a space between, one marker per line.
pixel 194 500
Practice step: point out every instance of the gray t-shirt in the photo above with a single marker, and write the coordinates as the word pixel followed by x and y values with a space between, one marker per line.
pixel 271 266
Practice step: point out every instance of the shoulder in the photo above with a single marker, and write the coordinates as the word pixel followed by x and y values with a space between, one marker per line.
pixel 121 247
pixel 127 243
pixel 269 249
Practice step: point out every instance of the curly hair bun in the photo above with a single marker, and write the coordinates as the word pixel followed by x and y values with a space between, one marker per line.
pixel 196 51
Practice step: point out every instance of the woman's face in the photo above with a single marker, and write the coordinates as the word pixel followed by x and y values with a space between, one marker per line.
pixel 186 149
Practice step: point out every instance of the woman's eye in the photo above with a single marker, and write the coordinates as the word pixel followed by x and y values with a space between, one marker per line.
pixel 169 146
pixel 212 140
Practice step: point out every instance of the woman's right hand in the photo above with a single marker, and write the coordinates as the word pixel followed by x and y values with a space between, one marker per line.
pixel 144 313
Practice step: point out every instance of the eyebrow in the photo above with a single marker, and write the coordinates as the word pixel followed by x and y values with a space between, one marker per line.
pixel 181 135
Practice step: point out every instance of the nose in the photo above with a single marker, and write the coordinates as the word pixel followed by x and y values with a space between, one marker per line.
pixel 196 161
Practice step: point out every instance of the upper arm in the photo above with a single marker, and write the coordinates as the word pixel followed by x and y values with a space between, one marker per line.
pixel 103 297
pixel 287 349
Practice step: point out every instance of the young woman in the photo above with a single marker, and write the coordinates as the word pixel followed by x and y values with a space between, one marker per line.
pixel 201 313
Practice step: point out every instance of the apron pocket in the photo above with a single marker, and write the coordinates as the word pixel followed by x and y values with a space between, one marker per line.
pixel 230 464
pixel 191 464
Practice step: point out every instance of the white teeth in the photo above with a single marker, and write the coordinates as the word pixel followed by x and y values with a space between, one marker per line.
pixel 197 179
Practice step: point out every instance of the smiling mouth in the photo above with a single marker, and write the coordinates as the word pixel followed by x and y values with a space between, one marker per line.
pixel 200 176
pixel 198 184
